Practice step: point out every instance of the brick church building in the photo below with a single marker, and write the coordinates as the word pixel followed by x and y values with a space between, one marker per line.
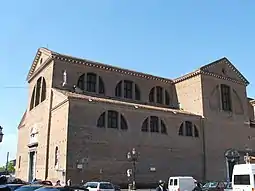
pixel 83 117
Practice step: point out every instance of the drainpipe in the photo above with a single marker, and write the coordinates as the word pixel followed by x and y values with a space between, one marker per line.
pixel 203 147
pixel 48 138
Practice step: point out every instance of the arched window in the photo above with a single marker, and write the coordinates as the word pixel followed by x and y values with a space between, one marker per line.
pixel 145 125
pixel 39 93
pixel 196 133
pixel 181 130
pixel 159 95
pixel 112 119
pixel 127 89
pixel 81 82
pixel 56 161
pixel 91 82
pixel 43 97
pixel 32 103
pixel 188 129
pixel 154 124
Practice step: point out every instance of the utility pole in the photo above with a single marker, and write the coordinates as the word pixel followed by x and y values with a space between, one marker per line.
pixel 7 161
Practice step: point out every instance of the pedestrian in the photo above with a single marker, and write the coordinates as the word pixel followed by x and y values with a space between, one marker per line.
pixel 58 183
pixel 197 187
pixel 69 182
pixel 161 186
pixel 3 181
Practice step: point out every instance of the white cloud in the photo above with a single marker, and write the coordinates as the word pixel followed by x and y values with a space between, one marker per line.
pixel 9 144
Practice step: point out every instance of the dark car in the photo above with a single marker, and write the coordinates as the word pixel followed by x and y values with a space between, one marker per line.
pixel 62 188
pixel 14 186
pixel 30 187
pixel 43 182
pixel 214 186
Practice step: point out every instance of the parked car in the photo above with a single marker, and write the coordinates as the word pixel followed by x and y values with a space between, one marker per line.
pixel 43 182
pixel 62 188
pixel 213 186
pixel 228 186
pixel 14 186
pixel 30 187
pixel 102 186
pixel 117 188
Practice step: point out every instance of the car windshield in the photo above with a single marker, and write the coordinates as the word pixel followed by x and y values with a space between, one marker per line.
pixel 105 186
pixel 54 189
pixel 14 186
pixel 28 188
pixel 210 185
pixel 91 185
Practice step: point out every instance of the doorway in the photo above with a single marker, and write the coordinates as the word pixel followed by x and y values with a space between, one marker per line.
pixel 231 165
pixel 31 169
pixel 232 157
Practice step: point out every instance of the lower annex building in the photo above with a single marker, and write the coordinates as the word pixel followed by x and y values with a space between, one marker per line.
pixel 83 117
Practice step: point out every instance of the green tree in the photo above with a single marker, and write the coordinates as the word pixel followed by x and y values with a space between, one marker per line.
pixel 10 168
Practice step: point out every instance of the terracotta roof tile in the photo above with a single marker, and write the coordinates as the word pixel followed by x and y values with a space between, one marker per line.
pixel 117 102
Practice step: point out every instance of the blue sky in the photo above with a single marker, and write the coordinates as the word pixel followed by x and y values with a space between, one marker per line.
pixel 162 37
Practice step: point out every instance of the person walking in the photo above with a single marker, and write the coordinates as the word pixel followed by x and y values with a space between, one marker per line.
pixel 69 182
pixel 198 187
pixel 161 186
pixel 58 183
pixel 3 182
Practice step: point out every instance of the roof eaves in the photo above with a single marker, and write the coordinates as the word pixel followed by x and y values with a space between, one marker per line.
pixel 226 60
pixel 90 63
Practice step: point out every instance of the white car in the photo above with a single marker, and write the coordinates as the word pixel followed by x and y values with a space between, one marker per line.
pixel 99 186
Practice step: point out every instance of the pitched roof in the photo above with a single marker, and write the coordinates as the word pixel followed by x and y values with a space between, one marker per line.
pixel 118 102
pixel 90 63
pixel 203 70
pixel 22 119
pixel 75 60
pixel 36 58
pixel 225 60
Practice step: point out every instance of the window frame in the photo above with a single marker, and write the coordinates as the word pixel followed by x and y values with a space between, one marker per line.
pixel 159 95
pixel 188 129
pixel 226 101
pixel 154 124
pixel 128 89
pixel 113 120
pixel 91 82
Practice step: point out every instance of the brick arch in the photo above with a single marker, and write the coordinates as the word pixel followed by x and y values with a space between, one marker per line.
pixel 91 82
pixel 39 93
pixel 112 119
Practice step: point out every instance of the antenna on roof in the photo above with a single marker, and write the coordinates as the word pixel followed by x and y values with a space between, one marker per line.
pixel 47 46
pixel 64 78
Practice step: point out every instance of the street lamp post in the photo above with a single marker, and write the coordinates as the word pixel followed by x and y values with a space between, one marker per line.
pixel 132 156
pixel 1 134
